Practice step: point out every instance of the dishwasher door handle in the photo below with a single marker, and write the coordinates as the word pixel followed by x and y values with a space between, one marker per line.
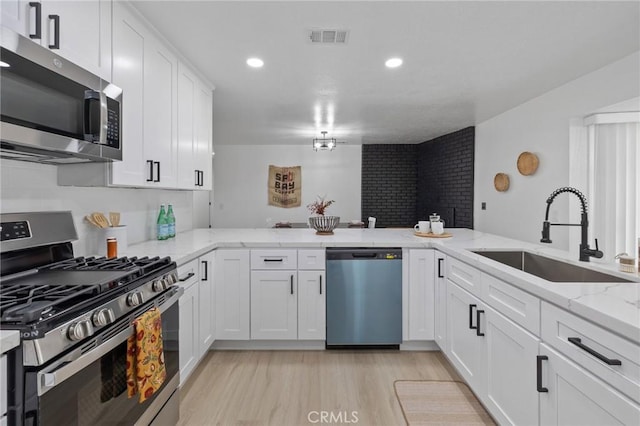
pixel 363 255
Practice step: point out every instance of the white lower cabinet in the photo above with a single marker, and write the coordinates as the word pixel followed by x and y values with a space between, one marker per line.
pixel 311 305
pixel 575 397
pixel 274 305
pixel 464 348
pixel 232 294
pixel 206 303
pixel 440 301
pixel 189 327
pixel 421 294
pixel 494 355
pixel 510 381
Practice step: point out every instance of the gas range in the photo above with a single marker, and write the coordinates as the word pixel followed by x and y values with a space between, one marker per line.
pixel 75 316
pixel 59 304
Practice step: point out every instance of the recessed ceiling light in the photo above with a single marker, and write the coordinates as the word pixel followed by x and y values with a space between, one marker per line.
pixel 255 62
pixel 393 62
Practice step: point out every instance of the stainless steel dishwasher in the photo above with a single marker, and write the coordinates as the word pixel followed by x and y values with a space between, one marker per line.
pixel 364 297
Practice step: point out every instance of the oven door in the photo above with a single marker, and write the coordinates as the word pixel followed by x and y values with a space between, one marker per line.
pixel 92 388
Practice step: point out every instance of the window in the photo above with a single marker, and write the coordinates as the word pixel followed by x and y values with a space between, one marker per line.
pixel 609 175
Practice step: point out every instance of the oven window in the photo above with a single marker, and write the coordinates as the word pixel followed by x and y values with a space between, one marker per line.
pixel 98 393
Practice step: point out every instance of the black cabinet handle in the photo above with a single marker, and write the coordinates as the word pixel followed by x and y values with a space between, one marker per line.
pixel 158 175
pixel 197 177
pixel 320 284
pixel 201 178
pixel 291 283
pixel 150 163
pixel 539 359
pixel 471 308
pixel 56 31
pixel 189 275
pixel 38 6
pixel 440 260
pixel 578 342
pixel 478 312
pixel 206 270
pixel 274 260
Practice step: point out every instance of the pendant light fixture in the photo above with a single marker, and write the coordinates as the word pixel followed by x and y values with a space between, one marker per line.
pixel 324 143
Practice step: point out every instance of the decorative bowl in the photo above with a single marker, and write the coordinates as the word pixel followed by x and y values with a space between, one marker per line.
pixel 324 224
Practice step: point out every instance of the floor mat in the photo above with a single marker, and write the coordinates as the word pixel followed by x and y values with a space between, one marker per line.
pixel 441 403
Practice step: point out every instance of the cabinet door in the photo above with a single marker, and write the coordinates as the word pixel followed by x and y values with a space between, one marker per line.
pixel 575 397
pixel 510 354
pixel 189 347
pixel 440 308
pixel 160 121
pixel 203 129
pixel 187 92
pixel 311 305
pixel 20 17
pixel 206 301
pixel 421 294
pixel 128 74
pixel 232 294
pixel 83 30
pixel 274 305
pixel 465 347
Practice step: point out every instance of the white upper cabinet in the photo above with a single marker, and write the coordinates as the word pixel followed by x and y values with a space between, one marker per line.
pixel 195 130
pixel 79 31
pixel 167 113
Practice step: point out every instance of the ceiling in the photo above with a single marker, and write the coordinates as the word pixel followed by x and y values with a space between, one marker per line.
pixel 464 62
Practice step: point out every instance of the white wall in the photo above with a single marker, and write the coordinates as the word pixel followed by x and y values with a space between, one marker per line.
pixel 240 183
pixel 32 187
pixel 541 125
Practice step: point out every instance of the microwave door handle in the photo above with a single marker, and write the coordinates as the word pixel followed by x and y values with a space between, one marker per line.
pixel 104 117
pixel 91 132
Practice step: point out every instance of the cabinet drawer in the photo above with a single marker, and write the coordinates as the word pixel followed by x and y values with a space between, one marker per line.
pixel 515 304
pixel 464 275
pixel 311 259
pixel 188 274
pixel 558 326
pixel 274 259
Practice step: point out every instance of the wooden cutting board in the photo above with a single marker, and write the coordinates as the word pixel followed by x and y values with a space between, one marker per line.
pixel 432 235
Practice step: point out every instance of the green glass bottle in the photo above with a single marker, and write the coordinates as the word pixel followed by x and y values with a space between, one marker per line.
pixel 171 221
pixel 162 225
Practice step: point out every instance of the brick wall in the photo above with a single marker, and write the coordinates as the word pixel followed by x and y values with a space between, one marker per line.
pixel 389 184
pixel 402 184
pixel 445 178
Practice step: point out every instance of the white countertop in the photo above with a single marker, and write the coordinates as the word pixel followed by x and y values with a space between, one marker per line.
pixel 9 339
pixel 615 306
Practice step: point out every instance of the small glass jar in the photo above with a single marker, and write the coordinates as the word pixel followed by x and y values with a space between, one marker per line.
pixel 112 248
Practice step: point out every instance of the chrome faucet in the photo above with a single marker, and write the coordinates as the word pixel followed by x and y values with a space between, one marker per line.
pixel 585 251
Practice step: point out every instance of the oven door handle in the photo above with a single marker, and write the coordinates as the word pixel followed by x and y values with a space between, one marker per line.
pixel 66 367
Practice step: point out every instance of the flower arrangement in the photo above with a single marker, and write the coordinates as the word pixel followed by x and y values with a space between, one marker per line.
pixel 319 206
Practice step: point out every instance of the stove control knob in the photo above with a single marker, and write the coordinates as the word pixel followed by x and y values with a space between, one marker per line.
pixel 172 278
pixel 103 317
pixel 159 285
pixel 135 299
pixel 79 330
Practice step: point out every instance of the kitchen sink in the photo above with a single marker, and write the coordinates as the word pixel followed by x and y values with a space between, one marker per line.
pixel 549 269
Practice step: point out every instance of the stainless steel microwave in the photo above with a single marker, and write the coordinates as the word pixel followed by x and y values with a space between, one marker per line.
pixel 53 111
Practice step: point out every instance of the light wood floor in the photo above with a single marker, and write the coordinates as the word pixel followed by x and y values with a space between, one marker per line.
pixel 283 387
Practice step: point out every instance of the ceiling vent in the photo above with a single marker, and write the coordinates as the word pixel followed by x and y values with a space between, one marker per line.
pixel 328 36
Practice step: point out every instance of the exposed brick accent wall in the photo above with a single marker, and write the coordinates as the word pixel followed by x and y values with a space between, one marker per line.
pixel 389 184
pixel 402 184
pixel 445 178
